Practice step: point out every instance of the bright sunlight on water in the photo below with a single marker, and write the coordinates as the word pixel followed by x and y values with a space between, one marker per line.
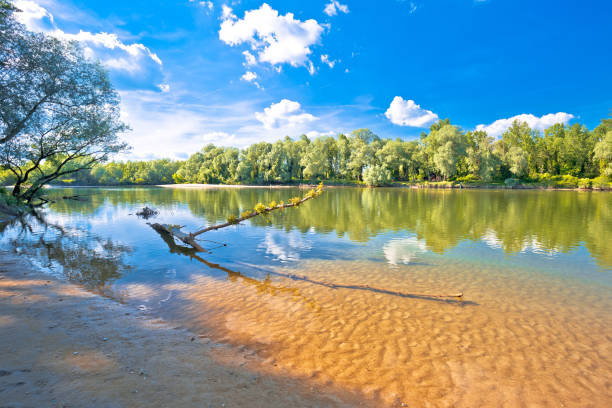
pixel 337 291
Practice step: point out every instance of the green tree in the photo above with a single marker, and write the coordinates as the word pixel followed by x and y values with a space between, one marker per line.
pixel 603 154
pixel 72 117
pixel 481 160
pixel 376 175
pixel 517 161
pixel 449 145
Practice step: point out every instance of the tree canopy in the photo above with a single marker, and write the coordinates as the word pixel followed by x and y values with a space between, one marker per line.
pixel 59 113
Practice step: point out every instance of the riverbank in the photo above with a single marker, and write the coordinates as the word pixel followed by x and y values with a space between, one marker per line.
pixel 64 346
pixel 432 184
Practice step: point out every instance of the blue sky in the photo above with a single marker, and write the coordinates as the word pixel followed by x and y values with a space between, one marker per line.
pixel 236 72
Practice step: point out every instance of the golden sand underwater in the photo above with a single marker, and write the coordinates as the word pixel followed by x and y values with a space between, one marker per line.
pixel 517 339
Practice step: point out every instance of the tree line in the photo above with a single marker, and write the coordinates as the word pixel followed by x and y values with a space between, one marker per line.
pixel 560 152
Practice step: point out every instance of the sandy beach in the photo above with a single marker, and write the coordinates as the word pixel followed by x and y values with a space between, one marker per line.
pixel 66 347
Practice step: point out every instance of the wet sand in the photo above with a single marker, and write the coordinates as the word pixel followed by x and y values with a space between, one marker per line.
pixel 63 346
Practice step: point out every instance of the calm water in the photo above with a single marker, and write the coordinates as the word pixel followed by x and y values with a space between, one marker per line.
pixel 326 292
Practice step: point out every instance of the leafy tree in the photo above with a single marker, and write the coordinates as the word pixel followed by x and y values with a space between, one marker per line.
pixel 517 161
pixel 316 160
pixel 59 113
pixel 520 135
pixel 396 156
pixel 603 153
pixel 481 160
pixel 449 145
pixel 376 175
pixel 363 145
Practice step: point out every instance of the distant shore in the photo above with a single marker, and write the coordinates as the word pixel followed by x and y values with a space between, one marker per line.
pixel 420 185
pixel 430 185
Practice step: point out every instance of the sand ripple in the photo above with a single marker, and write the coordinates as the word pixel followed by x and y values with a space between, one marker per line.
pixel 520 339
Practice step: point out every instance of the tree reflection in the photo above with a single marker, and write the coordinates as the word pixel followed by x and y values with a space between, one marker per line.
pixel 557 221
pixel 81 257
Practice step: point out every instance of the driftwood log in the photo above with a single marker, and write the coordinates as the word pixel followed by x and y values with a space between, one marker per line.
pixel 175 231
pixel 260 209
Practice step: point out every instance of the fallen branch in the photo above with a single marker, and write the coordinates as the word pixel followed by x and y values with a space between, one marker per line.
pixel 175 231
pixel 260 209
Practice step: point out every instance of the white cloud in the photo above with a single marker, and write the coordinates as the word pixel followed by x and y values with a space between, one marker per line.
pixel 249 76
pixel 275 38
pixel 313 134
pixel 226 12
pixel 107 47
pixel 325 59
pixel 219 138
pixel 408 113
pixel 334 7
pixel 498 127
pixel 110 41
pixel 249 58
pixel 285 113
pixel 404 250
pixel 165 126
pixel 164 87
pixel 206 4
pixel 284 247
pixel 33 16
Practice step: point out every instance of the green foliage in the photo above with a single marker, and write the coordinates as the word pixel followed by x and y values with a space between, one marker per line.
pixel 511 182
pixel 59 113
pixel 232 219
pixel 585 183
pixel 470 178
pixel 603 154
pixel 602 182
pixel 517 160
pixel 376 175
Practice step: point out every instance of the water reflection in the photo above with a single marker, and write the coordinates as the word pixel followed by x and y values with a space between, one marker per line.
pixel 284 246
pixel 514 221
pixel 264 286
pixel 81 257
pixel 403 250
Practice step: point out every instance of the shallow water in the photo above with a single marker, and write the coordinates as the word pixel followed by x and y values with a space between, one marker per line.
pixel 337 291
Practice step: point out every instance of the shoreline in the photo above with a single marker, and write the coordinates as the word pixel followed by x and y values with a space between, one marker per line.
pixel 430 186
pixel 398 186
pixel 67 346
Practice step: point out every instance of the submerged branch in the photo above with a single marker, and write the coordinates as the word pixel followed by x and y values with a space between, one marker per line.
pixel 260 209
